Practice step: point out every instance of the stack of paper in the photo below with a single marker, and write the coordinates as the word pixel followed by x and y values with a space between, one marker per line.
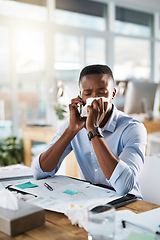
pixel 15 171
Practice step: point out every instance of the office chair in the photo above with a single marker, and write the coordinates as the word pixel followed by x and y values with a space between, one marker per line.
pixel 149 180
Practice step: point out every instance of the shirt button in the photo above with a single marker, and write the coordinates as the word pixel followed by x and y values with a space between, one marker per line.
pixel 91 153
pixel 96 170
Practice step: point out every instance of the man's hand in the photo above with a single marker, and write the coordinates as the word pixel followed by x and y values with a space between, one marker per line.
pixel 96 113
pixel 76 124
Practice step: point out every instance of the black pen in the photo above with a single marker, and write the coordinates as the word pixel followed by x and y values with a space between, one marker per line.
pixel 139 226
pixel 11 188
pixel 47 186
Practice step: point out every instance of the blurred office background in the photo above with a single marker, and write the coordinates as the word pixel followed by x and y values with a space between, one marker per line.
pixel 45 43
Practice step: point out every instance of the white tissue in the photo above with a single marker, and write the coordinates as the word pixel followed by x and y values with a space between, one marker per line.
pixel 77 215
pixel 89 102
pixel 8 200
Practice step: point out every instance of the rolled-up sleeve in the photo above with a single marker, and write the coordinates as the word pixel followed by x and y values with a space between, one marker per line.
pixel 124 176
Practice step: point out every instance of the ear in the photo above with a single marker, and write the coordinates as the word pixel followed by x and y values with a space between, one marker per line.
pixel 114 93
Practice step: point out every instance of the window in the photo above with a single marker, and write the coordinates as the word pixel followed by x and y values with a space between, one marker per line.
pixel 67 57
pixel 132 59
pixel 5 91
pixel 24 10
pixel 30 66
pixel 159 27
pixel 130 22
pixel 67 66
pixel 80 13
pixel 95 50
pixel 159 60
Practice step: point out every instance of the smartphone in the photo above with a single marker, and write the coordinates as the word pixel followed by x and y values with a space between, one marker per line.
pixel 80 108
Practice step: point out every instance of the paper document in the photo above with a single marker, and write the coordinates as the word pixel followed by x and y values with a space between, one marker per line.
pixel 1 186
pixel 149 221
pixel 65 191
pixel 55 182
pixel 85 195
pixel 14 171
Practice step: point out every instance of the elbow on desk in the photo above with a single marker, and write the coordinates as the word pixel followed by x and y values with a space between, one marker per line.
pixel 36 175
pixel 37 171
pixel 40 175
pixel 123 191
pixel 122 188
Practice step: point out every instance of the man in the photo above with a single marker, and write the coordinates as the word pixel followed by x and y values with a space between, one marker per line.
pixel 109 145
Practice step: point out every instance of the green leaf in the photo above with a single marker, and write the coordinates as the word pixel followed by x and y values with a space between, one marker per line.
pixel 60 110
pixel 11 151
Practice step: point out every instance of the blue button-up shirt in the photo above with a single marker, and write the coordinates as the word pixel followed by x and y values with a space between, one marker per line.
pixel 125 136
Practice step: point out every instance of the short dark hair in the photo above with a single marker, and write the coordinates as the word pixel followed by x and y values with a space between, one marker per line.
pixel 95 69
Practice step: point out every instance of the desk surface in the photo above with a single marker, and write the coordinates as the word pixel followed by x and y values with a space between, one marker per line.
pixel 58 226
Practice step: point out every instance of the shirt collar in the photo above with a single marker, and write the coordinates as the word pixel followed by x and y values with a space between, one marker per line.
pixel 111 123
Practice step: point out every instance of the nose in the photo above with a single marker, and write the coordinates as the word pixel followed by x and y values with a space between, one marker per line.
pixel 94 94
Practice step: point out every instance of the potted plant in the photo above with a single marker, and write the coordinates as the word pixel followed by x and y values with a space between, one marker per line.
pixel 11 151
pixel 60 110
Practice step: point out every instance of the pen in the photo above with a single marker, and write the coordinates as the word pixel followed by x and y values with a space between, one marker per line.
pixel 139 226
pixel 48 186
pixel 11 188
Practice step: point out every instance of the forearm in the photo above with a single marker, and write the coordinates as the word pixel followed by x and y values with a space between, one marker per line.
pixel 122 175
pixel 50 158
pixel 106 158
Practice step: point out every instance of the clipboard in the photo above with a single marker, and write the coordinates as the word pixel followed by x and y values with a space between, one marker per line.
pixel 120 202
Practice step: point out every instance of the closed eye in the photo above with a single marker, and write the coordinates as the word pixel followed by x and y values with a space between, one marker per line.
pixel 102 90
pixel 87 92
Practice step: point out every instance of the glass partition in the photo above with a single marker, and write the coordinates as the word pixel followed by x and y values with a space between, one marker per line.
pixel 131 22
pixel 24 10
pixel 81 13
pixel 5 90
pixel 95 50
pixel 30 66
pixel 67 56
pixel 132 59
pixel 159 61
pixel 67 67
pixel 63 17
